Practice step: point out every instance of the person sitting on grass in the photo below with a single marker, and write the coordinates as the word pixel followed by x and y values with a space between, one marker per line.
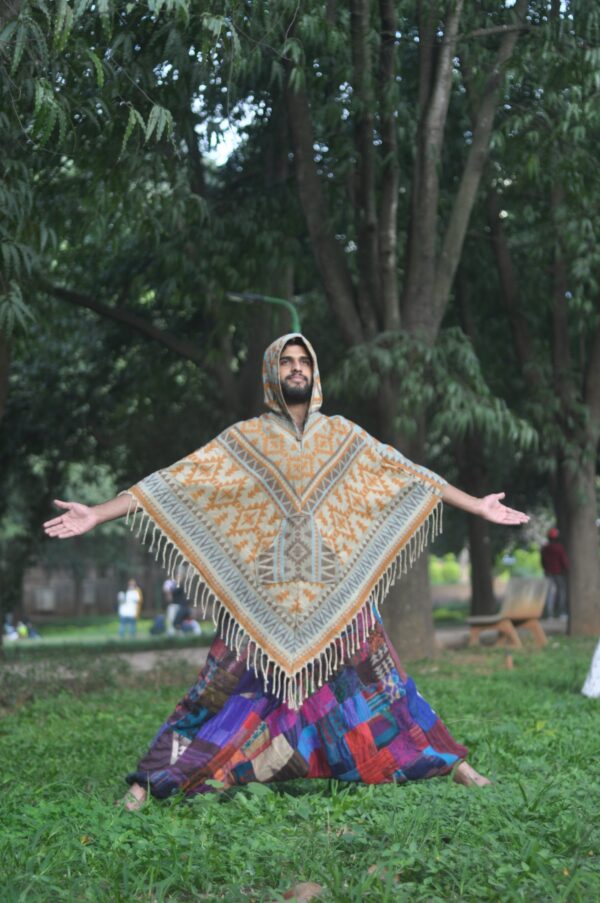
pixel 293 526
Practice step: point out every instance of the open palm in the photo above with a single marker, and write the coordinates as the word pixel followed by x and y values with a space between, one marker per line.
pixel 75 520
pixel 493 510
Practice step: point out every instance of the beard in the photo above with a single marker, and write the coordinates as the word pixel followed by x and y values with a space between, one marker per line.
pixel 300 393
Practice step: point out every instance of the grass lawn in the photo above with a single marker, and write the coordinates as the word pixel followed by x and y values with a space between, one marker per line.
pixel 99 634
pixel 532 836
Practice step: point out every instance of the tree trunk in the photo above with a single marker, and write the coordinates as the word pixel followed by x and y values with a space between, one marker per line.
pixel 407 613
pixel 483 601
pixel 407 610
pixel 579 486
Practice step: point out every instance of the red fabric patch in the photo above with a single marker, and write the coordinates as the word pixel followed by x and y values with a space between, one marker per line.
pixel 361 744
pixel 379 769
pixel 318 766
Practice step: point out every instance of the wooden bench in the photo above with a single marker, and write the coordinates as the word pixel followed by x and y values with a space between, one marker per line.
pixel 522 606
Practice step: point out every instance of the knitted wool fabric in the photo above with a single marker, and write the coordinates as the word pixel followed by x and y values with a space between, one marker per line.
pixel 293 536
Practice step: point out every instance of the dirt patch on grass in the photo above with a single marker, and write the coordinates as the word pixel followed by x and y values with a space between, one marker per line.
pixel 141 662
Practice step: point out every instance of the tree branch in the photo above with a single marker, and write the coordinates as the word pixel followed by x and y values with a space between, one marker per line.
pixel 388 206
pixel 188 350
pixel 363 102
pixel 423 238
pixel 495 29
pixel 471 177
pixel 328 254
pixel 426 13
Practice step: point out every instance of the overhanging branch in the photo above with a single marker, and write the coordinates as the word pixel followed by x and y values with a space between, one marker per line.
pixel 188 350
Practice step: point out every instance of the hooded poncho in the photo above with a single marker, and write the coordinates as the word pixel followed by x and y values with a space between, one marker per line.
pixel 293 536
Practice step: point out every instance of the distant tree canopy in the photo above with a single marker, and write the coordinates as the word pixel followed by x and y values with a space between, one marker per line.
pixel 420 178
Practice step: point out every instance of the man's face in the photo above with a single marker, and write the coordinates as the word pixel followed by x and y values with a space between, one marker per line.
pixel 296 374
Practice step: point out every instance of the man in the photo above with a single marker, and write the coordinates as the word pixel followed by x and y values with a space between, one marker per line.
pixel 293 526
pixel 556 568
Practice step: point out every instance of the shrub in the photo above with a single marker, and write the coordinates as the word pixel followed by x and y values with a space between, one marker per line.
pixel 444 570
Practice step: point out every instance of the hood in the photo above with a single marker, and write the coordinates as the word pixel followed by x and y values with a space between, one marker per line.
pixel 272 386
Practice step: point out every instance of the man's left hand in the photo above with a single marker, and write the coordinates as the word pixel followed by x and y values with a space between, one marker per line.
pixel 492 509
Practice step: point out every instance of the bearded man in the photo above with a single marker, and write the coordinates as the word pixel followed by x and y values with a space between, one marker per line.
pixel 292 526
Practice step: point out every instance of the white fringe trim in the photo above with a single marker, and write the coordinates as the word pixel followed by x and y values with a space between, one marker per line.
pixel 293 689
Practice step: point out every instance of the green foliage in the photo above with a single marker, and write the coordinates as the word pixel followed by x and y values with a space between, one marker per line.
pixel 544 175
pixel 444 381
pixel 13 311
pixel 124 419
pixel 523 563
pixel 79 80
pixel 444 570
pixel 532 835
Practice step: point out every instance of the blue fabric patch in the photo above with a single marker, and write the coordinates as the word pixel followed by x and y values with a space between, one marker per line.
pixel 309 741
pixel 243 773
pixel 420 710
pixel 446 757
pixel 356 711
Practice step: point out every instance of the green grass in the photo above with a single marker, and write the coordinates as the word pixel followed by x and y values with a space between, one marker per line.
pixel 532 836
pixel 452 614
pixel 99 634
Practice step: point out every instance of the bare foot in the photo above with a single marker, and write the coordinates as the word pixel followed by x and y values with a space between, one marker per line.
pixel 468 777
pixel 135 798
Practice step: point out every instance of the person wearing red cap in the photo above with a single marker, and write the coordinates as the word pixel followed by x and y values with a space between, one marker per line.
pixel 556 568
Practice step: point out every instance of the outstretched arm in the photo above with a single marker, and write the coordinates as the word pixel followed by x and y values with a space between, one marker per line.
pixel 77 519
pixel 489 507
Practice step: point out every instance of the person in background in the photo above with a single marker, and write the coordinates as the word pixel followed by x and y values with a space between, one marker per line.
pixel 171 606
pixel 158 626
pixel 22 630
pixel 189 624
pixel 10 632
pixel 591 687
pixel 32 633
pixel 167 590
pixel 556 568
pixel 130 608
pixel 183 607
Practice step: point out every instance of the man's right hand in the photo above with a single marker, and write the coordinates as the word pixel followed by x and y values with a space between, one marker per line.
pixel 75 520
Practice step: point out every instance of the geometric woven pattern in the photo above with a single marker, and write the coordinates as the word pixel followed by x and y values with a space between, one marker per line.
pixel 298 553
pixel 292 534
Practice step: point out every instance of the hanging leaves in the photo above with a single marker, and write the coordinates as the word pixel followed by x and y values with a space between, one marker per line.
pixel 13 309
